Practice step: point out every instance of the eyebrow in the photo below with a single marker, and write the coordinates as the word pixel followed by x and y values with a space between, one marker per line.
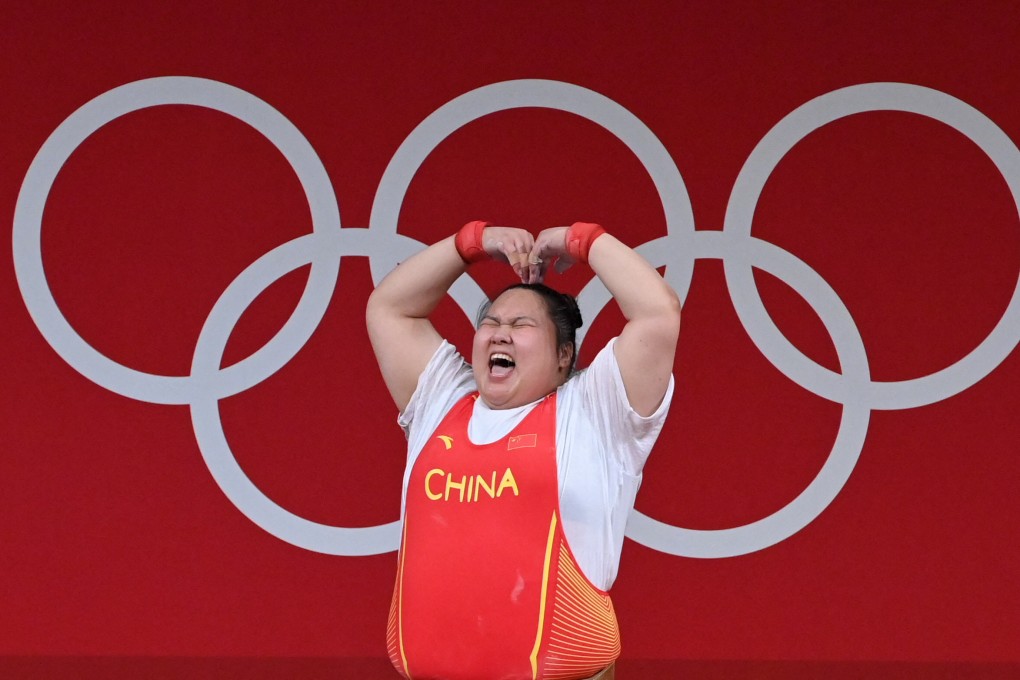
pixel 510 321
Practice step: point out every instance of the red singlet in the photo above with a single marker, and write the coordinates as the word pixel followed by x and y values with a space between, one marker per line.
pixel 486 584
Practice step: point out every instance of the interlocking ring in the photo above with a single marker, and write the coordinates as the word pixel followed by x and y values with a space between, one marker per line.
pixel 677 251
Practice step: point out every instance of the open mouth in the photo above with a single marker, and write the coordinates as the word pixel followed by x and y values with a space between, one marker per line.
pixel 501 364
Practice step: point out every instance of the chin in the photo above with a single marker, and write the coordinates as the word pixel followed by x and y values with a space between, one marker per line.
pixel 495 400
pixel 501 396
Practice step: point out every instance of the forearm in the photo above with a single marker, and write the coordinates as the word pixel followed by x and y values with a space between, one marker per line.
pixel 416 286
pixel 635 285
pixel 402 336
pixel 646 346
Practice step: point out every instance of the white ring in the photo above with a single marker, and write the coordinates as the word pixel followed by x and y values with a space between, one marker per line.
pixel 55 151
pixel 385 247
pixel 205 412
pixel 548 94
pixel 740 212
pixel 853 427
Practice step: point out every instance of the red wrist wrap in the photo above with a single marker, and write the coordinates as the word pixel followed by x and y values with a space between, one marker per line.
pixel 469 242
pixel 580 236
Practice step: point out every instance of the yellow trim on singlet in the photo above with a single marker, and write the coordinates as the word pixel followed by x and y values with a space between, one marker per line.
pixel 400 602
pixel 545 592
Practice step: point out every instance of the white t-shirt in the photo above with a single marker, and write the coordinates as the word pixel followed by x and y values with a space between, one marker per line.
pixel 601 446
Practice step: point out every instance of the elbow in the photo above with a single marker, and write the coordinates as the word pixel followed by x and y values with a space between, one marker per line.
pixel 381 299
pixel 660 312
pixel 669 318
pixel 376 309
pixel 374 299
pixel 670 309
pixel 372 305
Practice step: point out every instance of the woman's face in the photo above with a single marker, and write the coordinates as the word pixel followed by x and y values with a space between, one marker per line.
pixel 515 357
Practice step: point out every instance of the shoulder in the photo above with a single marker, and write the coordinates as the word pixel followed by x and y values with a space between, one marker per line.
pixel 602 382
pixel 447 377
pixel 596 398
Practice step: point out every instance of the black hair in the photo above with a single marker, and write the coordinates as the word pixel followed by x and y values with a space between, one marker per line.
pixel 562 308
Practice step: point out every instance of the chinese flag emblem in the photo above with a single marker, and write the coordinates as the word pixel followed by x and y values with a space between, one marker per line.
pixel 521 441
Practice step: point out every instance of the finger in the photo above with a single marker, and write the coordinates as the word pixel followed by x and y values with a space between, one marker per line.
pixel 563 263
pixel 512 253
pixel 521 259
pixel 534 262
pixel 519 262
pixel 537 270
pixel 502 249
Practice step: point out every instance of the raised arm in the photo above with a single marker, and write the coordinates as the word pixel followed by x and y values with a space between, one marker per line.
pixel 647 344
pixel 397 314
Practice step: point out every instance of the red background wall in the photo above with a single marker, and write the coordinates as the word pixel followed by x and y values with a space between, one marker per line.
pixel 117 542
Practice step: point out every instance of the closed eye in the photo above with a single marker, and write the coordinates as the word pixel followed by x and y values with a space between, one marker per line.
pixel 518 322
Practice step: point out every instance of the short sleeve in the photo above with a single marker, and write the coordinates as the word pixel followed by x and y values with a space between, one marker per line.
pixel 446 378
pixel 632 436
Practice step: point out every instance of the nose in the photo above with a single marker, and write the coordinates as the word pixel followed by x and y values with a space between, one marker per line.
pixel 501 335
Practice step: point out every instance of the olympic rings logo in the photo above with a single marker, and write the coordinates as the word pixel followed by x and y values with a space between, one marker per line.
pixel 678 250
